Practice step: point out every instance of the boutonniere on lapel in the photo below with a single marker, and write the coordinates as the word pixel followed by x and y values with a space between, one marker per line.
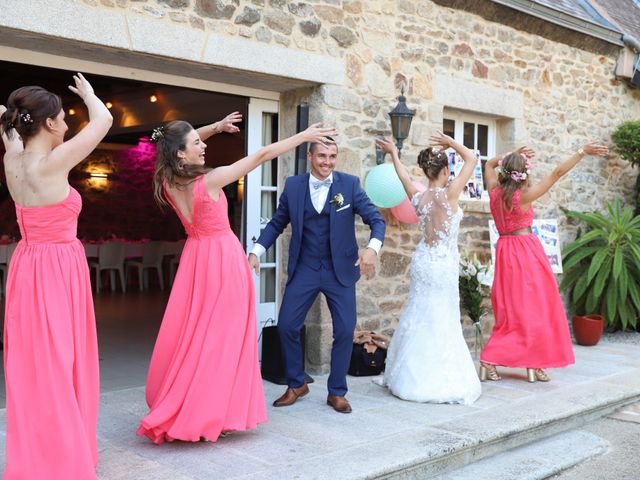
pixel 337 200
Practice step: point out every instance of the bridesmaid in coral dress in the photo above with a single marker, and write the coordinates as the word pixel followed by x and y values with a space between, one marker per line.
pixel 204 378
pixel 51 351
pixel 531 329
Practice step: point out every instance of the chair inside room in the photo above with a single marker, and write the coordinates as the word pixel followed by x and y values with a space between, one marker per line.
pixel 151 259
pixel 111 259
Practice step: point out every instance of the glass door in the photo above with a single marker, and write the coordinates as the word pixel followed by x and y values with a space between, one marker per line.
pixel 261 194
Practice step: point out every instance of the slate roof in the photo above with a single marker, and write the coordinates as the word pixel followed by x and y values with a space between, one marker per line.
pixel 625 14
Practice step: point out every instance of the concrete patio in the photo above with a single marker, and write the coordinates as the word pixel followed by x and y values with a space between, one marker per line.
pixel 384 437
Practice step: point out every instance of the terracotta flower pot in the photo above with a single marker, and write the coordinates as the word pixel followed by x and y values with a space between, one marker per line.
pixel 588 329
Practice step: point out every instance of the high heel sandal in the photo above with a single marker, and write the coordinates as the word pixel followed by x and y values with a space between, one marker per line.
pixel 489 372
pixel 541 375
pixel 537 374
pixel 531 375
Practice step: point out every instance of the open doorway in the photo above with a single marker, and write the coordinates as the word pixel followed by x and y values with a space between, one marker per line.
pixel 118 205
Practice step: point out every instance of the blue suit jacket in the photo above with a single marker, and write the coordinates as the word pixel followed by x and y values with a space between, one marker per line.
pixel 344 248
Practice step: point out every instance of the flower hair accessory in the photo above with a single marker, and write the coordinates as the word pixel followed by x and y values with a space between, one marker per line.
pixel 157 134
pixel 518 176
pixel 26 118
pixel 515 175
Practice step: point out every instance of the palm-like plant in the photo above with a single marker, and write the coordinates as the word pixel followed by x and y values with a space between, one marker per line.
pixel 602 267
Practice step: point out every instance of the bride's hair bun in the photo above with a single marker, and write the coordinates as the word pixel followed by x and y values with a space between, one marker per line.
pixel 432 161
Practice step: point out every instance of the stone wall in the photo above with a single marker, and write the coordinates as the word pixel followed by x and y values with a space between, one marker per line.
pixel 545 90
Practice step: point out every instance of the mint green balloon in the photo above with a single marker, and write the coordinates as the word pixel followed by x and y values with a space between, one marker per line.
pixel 383 186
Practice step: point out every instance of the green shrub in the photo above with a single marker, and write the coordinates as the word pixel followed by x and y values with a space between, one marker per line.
pixel 627 140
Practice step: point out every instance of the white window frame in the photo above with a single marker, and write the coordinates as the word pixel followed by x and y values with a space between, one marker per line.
pixel 461 117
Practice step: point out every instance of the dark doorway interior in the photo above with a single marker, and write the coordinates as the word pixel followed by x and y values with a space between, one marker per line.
pixel 121 205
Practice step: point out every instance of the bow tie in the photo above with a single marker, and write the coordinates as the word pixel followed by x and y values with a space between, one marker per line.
pixel 317 184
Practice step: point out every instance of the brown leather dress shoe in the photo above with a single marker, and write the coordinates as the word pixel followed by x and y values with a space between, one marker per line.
pixel 339 404
pixel 291 395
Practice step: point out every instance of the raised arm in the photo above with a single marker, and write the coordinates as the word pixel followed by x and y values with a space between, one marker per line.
pixel 490 174
pixel 13 144
pixel 443 141
pixel 221 176
pixel 388 146
pixel 67 155
pixel 224 125
pixel 534 192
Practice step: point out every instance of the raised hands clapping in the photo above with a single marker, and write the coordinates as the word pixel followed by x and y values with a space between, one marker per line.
pixel 316 133
pixel 441 140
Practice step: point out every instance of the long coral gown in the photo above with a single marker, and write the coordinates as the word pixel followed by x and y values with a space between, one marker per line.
pixel 204 376
pixel 531 329
pixel 50 349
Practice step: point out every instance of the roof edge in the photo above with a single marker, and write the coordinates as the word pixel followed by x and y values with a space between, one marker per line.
pixel 565 20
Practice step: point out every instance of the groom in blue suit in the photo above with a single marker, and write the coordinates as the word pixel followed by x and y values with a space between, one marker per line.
pixel 323 257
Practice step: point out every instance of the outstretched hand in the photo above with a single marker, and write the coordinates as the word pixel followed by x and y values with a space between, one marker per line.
pixel 317 134
pixel 441 140
pixel 82 88
pixel 387 146
pixel 227 123
pixel 595 148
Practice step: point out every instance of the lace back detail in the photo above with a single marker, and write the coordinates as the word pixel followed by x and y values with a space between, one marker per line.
pixel 434 212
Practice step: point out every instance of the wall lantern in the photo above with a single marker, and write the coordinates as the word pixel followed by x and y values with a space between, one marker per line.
pixel 401 117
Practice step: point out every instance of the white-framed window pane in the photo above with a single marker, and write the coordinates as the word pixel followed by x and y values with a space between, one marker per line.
pixel 267 285
pixel 468 138
pixel 449 127
pixel 483 140
pixel 270 255
pixel 267 206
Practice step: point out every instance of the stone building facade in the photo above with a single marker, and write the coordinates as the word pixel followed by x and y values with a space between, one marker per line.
pixel 538 83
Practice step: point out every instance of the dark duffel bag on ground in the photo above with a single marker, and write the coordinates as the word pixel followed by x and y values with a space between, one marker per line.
pixel 369 354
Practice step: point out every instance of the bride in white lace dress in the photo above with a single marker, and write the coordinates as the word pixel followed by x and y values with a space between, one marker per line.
pixel 428 359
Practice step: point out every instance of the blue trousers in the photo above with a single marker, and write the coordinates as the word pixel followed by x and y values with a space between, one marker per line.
pixel 299 295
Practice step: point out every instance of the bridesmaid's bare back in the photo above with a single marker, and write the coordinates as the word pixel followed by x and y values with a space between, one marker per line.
pixel 181 197
pixel 27 184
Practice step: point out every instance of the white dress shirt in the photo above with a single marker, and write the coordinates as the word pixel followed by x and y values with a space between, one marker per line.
pixel 318 199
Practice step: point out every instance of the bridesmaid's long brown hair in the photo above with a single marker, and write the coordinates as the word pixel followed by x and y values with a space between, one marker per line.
pixel 171 138
pixel 514 162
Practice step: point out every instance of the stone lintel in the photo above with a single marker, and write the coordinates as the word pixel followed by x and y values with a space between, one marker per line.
pixel 248 55
pixel 80 30
pixel 473 96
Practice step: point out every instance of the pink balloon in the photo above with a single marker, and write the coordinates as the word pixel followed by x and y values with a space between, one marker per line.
pixel 405 212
